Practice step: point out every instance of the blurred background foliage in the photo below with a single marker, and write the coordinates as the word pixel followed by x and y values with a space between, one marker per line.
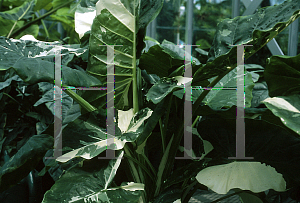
pixel 46 20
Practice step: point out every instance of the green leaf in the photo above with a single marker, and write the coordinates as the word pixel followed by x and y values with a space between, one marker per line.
pixel 176 52
pixel 161 169
pixel 257 30
pixel 117 23
pixel 6 26
pixel 89 184
pixel 165 86
pixel 260 92
pixel 109 28
pixel 9 79
pixel 70 111
pixel 28 57
pixel 19 13
pixel 267 143
pixel 87 136
pixel 218 98
pixel 156 61
pixel 65 17
pixel 43 4
pixel 287 108
pixel 24 161
pixel 56 169
pixel 222 178
pixel 31 30
pixel 282 75
pixel 246 197
pixel 160 58
pixel 151 123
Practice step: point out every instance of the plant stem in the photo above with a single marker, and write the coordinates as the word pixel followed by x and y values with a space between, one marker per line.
pixel 179 133
pixel 149 163
pixel 187 190
pixel 15 101
pixel 19 19
pixel 86 105
pixel 39 18
pixel 141 165
pixel 45 28
pixel 162 136
pixel 195 121
pixel 164 131
pixel 205 92
pixel 12 98
pixel 161 168
pixel 134 73
pixel 20 91
pixel 134 171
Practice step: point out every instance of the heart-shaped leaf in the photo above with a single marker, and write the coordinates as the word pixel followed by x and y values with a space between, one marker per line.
pixel 90 184
pixel 243 175
pixel 28 57
pixel 87 136
pixel 120 23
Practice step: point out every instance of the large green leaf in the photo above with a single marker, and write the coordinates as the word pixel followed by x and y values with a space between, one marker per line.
pixel 282 75
pixel 57 169
pixel 218 98
pixel 267 143
pixel 118 23
pixel 87 136
pixel 257 30
pixel 90 184
pixel 243 175
pixel 70 111
pixel 287 108
pixel 25 160
pixel 160 58
pixel 164 87
pixel 33 62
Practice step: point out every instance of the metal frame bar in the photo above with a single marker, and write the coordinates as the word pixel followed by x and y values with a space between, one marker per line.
pixel 293 38
pixel 189 23
pixel 235 8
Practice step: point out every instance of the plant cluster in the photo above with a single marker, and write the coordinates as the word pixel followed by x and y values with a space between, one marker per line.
pixel 149 99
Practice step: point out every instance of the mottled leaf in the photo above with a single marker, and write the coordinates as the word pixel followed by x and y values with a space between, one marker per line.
pixel 287 108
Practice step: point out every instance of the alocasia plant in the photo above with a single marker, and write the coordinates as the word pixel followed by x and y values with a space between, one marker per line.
pixel 149 100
